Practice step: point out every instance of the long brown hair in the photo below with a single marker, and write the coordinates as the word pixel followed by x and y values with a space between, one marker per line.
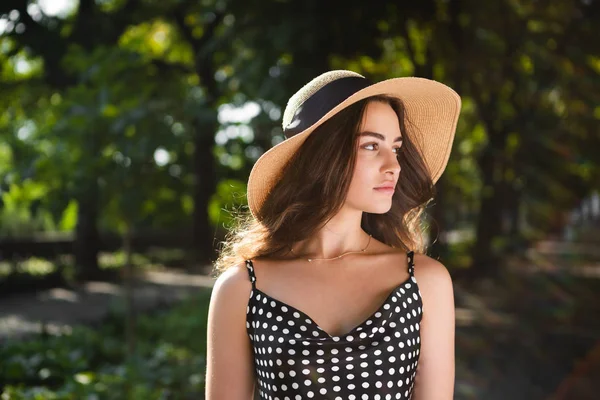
pixel 313 187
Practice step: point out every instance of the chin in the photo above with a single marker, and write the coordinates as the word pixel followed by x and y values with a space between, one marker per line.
pixel 378 209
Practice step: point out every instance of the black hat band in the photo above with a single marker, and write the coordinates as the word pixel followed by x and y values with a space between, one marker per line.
pixel 323 101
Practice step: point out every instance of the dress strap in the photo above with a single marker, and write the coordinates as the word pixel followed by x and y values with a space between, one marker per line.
pixel 251 274
pixel 411 263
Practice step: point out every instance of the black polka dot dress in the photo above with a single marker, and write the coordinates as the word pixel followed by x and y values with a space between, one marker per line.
pixel 295 359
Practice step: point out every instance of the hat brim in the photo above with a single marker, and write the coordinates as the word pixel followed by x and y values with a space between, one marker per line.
pixel 431 107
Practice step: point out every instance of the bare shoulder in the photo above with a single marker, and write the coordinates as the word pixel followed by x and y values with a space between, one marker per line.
pixel 230 294
pixel 233 283
pixel 229 298
pixel 229 350
pixel 436 370
pixel 432 276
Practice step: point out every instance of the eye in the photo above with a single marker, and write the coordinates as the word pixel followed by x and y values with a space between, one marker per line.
pixel 397 149
pixel 370 144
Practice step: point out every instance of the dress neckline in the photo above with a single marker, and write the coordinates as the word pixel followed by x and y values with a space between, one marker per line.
pixel 353 330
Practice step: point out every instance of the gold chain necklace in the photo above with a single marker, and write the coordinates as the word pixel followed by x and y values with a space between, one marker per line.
pixel 340 256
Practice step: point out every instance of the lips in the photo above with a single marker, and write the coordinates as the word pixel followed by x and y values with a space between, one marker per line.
pixel 387 189
pixel 387 185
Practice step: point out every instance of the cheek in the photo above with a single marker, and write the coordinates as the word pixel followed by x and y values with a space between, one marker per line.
pixel 361 179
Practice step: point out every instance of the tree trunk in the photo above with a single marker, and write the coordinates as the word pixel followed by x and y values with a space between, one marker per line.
pixel 130 315
pixel 128 276
pixel 202 245
pixel 87 238
pixel 484 261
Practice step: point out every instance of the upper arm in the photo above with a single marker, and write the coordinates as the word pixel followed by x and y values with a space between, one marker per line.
pixel 436 370
pixel 229 362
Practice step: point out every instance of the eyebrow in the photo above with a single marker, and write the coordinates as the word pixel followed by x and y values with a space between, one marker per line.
pixel 379 136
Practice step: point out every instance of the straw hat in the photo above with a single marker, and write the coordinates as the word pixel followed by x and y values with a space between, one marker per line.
pixel 431 108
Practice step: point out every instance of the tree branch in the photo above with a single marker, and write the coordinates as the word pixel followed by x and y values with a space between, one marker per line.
pixel 203 55
pixel 165 67
pixel 409 47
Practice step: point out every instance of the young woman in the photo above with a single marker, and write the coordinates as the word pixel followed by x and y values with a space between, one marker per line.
pixel 324 289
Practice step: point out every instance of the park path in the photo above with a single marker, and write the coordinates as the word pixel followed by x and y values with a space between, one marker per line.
pixel 60 308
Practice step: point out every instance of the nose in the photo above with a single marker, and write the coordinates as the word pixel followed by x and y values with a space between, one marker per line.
pixel 391 164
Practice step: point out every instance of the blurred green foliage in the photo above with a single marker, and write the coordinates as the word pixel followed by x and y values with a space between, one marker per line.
pixel 89 362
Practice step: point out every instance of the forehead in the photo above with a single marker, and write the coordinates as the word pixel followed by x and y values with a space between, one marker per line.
pixel 381 117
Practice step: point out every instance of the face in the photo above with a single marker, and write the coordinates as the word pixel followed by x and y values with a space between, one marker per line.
pixel 376 161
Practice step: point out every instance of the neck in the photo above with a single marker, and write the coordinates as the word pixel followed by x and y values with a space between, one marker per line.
pixel 328 244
